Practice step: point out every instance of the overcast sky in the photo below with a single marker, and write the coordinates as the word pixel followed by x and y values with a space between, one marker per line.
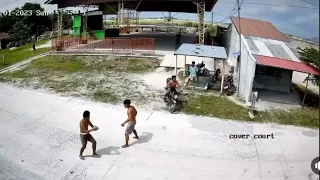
pixel 302 22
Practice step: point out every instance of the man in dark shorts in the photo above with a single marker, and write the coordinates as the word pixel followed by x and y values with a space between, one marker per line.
pixel 85 135
pixel 130 128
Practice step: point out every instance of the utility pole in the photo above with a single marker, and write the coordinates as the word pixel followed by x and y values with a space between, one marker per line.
pixel 212 18
pixel 239 57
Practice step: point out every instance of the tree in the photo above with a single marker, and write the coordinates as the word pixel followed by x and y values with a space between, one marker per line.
pixel 6 21
pixel 19 31
pixel 310 56
pixel 37 24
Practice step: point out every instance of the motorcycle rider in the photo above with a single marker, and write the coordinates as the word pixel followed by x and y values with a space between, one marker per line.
pixel 171 86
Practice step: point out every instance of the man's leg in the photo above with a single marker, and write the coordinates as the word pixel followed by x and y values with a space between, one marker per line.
pixel 188 81
pixel 166 94
pixel 94 145
pixel 127 141
pixel 84 145
pixel 128 131
pixel 135 133
pixel 193 82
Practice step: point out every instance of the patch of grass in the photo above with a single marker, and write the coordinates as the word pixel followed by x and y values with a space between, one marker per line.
pixel 105 96
pixel 214 106
pixel 220 107
pixel 21 53
pixel 60 64
pixel 130 65
pixel 71 64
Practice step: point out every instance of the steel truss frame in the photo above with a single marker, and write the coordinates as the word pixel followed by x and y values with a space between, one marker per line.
pixel 201 24
pixel 60 22
pixel 85 21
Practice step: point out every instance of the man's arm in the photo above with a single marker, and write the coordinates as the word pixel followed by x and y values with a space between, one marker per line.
pixel 90 124
pixel 178 85
pixel 129 116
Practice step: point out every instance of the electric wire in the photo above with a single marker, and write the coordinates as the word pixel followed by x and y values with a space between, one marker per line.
pixel 232 12
pixel 284 5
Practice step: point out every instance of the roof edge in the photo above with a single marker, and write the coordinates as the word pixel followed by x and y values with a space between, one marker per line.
pixel 302 62
pixel 286 39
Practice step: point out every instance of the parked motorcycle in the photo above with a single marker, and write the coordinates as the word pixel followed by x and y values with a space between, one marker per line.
pixel 215 76
pixel 228 86
pixel 202 70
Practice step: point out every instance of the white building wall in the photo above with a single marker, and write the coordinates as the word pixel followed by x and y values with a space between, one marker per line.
pixel 248 63
pixel 247 71
pixel 232 43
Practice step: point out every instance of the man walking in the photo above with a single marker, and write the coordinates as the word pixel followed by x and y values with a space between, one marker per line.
pixel 130 128
pixel 193 70
pixel 85 135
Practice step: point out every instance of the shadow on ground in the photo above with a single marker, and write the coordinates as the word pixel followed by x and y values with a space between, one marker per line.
pixel 110 150
pixel 143 138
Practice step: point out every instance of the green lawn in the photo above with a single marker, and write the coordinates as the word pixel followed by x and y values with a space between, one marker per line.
pixel 21 53
pixel 220 107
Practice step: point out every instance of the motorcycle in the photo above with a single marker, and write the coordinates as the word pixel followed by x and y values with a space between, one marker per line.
pixel 215 76
pixel 228 86
pixel 202 70
pixel 172 99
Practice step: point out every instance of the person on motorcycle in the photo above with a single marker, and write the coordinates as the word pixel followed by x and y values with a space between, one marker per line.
pixel 172 85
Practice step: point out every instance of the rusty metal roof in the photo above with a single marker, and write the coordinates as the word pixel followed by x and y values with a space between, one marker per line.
pixel 258 28
pixel 4 36
pixel 186 6
pixel 286 64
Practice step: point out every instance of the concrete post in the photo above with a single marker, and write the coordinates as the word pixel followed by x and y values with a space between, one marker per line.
pixel 222 78
pixel 305 91
pixel 185 65
pixel 176 65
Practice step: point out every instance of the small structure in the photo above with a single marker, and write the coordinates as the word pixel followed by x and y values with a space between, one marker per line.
pixel 214 52
pixel 3 40
pixel 266 63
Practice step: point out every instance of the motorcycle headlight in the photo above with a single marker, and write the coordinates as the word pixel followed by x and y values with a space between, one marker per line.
pixel 175 96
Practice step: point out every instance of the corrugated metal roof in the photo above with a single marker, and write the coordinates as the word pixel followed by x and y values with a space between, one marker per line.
pixel 270 47
pixel 3 36
pixel 286 64
pixel 258 28
pixel 202 51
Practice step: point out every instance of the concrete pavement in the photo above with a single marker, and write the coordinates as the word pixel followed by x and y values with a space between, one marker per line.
pixel 39 140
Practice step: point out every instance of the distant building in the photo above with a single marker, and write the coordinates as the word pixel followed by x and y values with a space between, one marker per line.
pixel 3 40
pixel 266 60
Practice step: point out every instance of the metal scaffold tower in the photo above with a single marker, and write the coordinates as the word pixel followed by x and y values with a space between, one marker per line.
pixel 120 12
pixel 85 21
pixel 60 23
pixel 137 19
pixel 201 24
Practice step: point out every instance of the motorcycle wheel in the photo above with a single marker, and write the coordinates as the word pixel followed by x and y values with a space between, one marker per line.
pixel 206 72
pixel 172 107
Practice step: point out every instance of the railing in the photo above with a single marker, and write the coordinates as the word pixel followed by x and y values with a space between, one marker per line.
pixel 126 44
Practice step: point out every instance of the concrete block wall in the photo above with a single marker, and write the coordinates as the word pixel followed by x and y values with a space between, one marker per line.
pixel 282 84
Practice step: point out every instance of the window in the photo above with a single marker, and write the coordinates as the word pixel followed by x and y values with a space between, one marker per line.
pixel 268 71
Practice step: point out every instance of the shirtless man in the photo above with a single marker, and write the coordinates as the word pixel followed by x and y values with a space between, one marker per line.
pixel 85 135
pixel 132 113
